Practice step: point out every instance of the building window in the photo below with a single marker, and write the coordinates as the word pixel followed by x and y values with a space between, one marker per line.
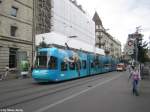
pixel 97 26
pixel 14 11
pixel 0 1
pixel 97 33
pixel 12 57
pixel 13 30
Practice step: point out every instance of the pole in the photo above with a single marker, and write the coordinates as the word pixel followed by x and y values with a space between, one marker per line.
pixel 136 49
pixel 33 29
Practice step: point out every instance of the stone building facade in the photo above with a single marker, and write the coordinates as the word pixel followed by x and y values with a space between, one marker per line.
pixel 104 40
pixel 15 32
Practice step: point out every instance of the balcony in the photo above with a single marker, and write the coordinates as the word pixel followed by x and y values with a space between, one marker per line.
pixel 99 44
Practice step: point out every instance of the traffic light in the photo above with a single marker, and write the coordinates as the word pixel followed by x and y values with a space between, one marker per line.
pixel 131 36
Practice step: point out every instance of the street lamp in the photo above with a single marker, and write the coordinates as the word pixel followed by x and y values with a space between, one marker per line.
pixel 73 36
pixel 149 42
pixel 33 30
pixel 106 29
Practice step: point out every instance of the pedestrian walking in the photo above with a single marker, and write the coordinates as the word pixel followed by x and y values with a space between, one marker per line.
pixel 135 76
pixel 3 77
pixel 129 68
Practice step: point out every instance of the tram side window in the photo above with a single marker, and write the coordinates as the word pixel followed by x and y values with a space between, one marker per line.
pixel 63 66
pixel 96 62
pixel 107 65
pixel 84 64
pixel 92 65
pixel 78 65
pixel 53 62
pixel 100 65
pixel 72 66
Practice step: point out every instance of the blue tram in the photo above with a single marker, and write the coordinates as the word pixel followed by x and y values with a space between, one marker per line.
pixel 54 64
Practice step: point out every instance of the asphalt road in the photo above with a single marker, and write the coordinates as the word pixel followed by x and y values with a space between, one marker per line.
pixel 110 92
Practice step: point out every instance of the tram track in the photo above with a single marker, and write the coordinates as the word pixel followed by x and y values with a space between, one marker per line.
pixel 16 89
pixel 14 82
pixel 20 88
pixel 25 98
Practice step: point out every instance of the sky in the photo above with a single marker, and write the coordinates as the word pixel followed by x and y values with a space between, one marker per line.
pixel 121 17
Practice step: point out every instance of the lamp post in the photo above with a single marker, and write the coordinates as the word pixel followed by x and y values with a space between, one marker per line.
pixel 136 50
pixel 33 29
pixel 149 42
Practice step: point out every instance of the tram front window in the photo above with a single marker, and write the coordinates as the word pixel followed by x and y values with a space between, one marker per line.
pixel 41 60
pixel 45 61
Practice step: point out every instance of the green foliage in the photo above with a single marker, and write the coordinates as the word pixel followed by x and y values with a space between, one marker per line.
pixel 24 65
pixel 43 45
pixel 143 52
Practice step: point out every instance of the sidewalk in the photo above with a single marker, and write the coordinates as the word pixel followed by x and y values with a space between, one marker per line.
pixel 14 75
pixel 145 82
pixel 144 88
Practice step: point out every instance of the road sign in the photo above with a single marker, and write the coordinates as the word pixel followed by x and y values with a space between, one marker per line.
pixel 130 51
pixel 130 43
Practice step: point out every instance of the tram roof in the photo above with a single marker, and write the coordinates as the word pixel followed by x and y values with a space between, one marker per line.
pixel 54 38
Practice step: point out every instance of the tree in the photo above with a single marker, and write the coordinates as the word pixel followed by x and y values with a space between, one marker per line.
pixel 42 44
pixel 142 52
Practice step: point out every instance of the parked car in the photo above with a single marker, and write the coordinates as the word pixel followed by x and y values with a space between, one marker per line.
pixel 121 67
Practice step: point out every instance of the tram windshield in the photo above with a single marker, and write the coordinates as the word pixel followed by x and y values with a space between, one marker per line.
pixel 41 60
pixel 45 61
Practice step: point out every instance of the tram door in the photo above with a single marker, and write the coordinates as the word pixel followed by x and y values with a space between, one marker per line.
pixel 88 65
